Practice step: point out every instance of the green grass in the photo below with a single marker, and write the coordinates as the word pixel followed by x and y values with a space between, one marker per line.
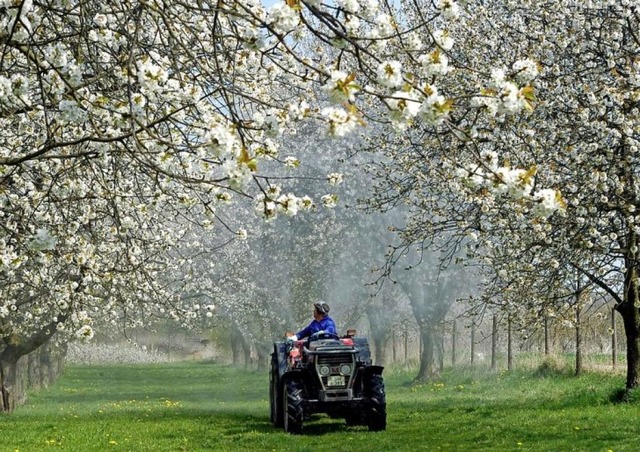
pixel 204 406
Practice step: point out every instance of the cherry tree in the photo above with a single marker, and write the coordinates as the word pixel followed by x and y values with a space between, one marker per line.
pixel 125 123
pixel 570 162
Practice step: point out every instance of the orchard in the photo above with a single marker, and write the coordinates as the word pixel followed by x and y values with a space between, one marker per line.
pixel 230 160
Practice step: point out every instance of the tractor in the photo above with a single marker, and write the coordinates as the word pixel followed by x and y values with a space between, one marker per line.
pixel 326 374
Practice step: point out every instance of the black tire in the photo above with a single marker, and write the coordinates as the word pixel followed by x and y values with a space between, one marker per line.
pixel 377 414
pixel 292 413
pixel 354 418
pixel 275 404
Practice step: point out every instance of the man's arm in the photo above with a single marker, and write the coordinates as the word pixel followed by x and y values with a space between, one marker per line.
pixel 307 331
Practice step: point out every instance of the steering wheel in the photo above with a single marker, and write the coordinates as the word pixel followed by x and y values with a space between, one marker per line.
pixel 319 335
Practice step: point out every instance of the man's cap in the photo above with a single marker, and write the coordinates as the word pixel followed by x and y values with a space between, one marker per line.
pixel 321 308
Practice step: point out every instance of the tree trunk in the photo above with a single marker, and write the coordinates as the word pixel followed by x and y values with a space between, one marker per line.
pixel 547 348
pixel 578 340
pixel 614 339
pixel 15 347
pixel 509 346
pixel 379 344
pixel 395 350
pixel 473 341
pixel 494 344
pixel 8 381
pixel 441 348
pixel 406 345
pixel 454 333
pixel 263 352
pixel 236 346
pixel 631 320
pixel 427 365
pixel 379 333
pixel 246 348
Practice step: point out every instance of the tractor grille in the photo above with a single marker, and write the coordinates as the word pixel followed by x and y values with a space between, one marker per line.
pixel 334 361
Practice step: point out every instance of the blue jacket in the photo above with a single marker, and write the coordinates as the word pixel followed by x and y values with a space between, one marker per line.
pixel 326 324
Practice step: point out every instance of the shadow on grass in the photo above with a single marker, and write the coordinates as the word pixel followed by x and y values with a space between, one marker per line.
pixel 630 396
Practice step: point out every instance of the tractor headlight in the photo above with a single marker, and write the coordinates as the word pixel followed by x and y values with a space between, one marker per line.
pixel 345 369
pixel 324 370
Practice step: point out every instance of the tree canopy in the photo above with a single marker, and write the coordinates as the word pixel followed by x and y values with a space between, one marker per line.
pixel 131 128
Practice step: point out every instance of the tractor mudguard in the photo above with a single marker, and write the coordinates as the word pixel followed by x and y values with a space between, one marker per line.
pixel 362 345
pixel 372 370
pixel 280 355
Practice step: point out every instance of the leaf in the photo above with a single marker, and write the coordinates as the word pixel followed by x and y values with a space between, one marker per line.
pixel 560 200
pixel 528 93
pixel 244 156
pixel 351 77
pixel 353 110
pixel 526 177
pixel 252 165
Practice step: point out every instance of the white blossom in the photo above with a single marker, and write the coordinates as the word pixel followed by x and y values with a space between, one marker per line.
pixel 389 74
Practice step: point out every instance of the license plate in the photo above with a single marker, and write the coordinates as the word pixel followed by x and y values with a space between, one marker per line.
pixel 335 380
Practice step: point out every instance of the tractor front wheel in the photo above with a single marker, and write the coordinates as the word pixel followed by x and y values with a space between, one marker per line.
pixel 377 415
pixel 293 414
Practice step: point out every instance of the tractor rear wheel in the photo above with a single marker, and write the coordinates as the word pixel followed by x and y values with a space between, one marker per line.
pixel 274 398
pixel 293 414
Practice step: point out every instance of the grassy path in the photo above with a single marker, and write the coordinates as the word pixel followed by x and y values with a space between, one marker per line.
pixel 203 406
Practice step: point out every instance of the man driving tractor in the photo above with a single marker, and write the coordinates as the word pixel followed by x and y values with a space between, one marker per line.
pixel 321 322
